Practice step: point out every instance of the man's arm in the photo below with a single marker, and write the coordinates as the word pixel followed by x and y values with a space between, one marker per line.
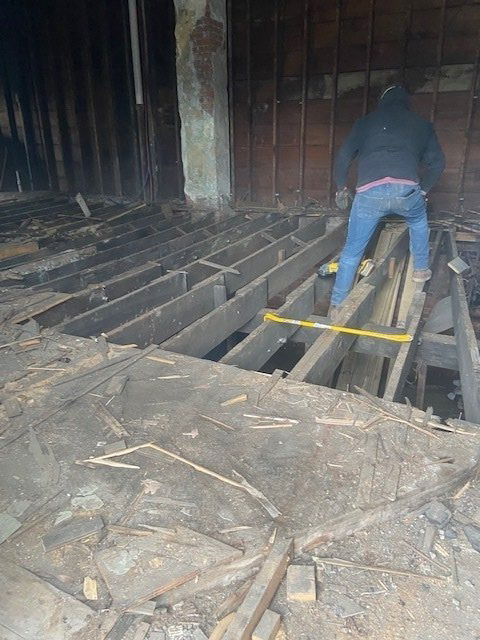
pixel 345 156
pixel 434 161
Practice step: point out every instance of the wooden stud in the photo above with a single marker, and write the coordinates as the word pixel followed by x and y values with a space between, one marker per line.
pixel 438 69
pixel 304 99
pixel 333 102
pixel 275 100
pixel 472 103
pixel 349 523
pixel 368 62
pixel 248 44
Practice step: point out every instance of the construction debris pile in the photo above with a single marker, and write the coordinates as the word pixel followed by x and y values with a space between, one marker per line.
pixel 151 494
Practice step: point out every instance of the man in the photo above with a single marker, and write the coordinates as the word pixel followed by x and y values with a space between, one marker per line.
pixel 392 143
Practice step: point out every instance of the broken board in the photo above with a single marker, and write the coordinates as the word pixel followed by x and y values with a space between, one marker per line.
pixel 144 568
pixel 32 608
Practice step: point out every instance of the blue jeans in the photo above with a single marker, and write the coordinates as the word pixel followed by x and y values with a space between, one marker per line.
pixel 367 210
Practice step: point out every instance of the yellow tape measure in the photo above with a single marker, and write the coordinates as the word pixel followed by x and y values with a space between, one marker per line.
pixel 395 337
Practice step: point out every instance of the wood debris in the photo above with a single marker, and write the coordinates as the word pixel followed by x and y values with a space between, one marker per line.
pixel 241 398
pixel 72 532
pixel 90 590
pixel 268 626
pixel 217 422
pixel 243 484
pixel 337 562
pixel 261 592
pixel 301 583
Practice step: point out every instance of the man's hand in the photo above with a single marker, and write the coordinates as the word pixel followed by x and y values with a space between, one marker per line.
pixel 343 198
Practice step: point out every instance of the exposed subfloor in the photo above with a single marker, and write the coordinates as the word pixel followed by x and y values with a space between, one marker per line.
pixel 294 442
pixel 236 461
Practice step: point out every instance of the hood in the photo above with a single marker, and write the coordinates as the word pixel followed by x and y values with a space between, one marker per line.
pixel 395 96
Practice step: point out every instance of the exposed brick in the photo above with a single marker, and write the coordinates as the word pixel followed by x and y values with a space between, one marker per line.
pixel 207 38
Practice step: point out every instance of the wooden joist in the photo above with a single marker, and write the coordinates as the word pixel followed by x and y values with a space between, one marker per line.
pixel 406 353
pixel 319 363
pixel 224 320
pixel 265 340
pixel 113 313
pixel 172 255
pixel 467 347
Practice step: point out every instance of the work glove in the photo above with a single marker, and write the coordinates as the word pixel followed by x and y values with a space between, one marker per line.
pixel 343 199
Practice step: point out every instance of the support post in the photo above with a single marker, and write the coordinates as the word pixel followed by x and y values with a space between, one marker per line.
pixel 202 82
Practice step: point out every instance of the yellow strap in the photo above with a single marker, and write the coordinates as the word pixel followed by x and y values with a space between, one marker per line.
pixel 395 337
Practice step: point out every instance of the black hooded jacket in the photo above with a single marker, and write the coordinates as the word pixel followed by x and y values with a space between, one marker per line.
pixel 394 142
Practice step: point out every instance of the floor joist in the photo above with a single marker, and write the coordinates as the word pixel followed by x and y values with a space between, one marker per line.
pixel 467 347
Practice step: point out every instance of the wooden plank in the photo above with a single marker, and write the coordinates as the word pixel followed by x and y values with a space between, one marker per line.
pixel 268 626
pixel 265 340
pixel 33 608
pixel 261 592
pixel 208 332
pixel 326 353
pixel 170 318
pixel 76 530
pixel 366 371
pixel 367 472
pixel 467 347
pixel 172 254
pixel 349 523
pixel 406 353
pixel 114 313
pixel 301 583
pixel 93 296
pixel 10 249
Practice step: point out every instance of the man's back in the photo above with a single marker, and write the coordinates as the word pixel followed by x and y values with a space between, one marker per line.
pixel 392 141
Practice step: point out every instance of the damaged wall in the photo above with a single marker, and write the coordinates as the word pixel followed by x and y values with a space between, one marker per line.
pixel 203 99
pixel 290 55
pixel 66 70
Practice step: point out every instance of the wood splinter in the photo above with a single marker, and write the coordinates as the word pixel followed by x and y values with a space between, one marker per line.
pixel 242 484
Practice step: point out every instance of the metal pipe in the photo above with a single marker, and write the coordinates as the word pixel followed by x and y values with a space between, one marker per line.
pixel 135 46
pixel 275 104
pixel 368 65
pixel 131 96
pixel 333 103
pixel 440 43
pixel 304 100
pixel 150 128
pixel 138 86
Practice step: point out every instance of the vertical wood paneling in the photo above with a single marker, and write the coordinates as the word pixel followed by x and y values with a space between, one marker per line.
pixel 327 78
pixel 77 119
